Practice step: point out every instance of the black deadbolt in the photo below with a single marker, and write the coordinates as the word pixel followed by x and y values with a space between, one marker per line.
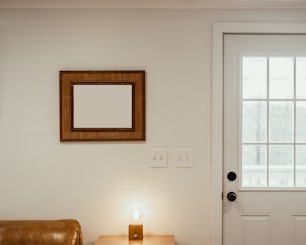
pixel 231 176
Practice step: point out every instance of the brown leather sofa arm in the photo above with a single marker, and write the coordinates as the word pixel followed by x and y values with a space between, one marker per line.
pixel 40 232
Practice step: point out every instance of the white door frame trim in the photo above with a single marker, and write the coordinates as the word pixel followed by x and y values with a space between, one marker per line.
pixel 219 29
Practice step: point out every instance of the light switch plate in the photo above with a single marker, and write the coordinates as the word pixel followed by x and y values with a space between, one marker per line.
pixel 184 158
pixel 158 158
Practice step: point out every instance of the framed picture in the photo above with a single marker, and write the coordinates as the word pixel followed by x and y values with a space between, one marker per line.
pixel 102 105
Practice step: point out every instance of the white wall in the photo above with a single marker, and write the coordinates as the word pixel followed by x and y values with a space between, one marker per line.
pixel 97 183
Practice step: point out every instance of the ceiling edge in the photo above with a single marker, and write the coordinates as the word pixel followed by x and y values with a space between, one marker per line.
pixel 156 4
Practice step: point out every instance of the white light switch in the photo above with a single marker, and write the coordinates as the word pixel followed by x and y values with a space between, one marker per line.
pixel 184 158
pixel 158 158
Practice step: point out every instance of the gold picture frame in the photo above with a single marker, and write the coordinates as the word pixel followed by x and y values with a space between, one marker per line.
pixel 102 106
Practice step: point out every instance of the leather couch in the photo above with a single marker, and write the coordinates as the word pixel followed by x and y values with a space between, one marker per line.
pixel 40 232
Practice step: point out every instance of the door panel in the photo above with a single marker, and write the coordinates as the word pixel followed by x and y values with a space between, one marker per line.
pixel 256 229
pixel 264 139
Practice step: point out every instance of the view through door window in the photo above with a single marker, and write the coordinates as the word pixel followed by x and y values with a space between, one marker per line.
pixel 273 138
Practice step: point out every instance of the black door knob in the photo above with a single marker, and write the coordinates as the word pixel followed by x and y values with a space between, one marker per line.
pixel 231 196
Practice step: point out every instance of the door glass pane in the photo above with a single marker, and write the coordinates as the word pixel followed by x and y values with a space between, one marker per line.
pixel 301 77
pixel 254 77
pixel 281 77
pixel 254 166
pixel 281 166
pixel 301 165
pixel 274 126
pixel 281 121
pixel 301 121
pixel 254 121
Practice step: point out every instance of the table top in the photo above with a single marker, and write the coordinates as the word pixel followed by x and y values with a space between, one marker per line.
pixel 147 240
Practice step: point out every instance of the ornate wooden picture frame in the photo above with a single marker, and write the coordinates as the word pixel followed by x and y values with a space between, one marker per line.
pixel 102 106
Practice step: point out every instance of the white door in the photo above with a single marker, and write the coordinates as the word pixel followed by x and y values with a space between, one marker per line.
pixel 264 140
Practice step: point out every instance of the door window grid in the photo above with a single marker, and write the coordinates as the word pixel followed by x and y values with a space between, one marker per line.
pixel 273 112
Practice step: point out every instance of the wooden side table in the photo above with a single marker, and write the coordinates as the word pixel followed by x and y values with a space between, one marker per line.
pixel 147 240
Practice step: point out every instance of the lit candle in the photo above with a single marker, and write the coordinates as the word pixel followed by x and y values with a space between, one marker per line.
pixel 136 229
